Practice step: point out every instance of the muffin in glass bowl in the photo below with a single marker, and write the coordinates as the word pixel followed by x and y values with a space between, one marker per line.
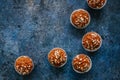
pixel 80 18
pixel 91 41
pixel 57 57
pixel 96 4
pixel 24 65
pixel 81 63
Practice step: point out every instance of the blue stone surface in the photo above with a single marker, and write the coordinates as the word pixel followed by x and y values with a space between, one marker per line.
pixel 34 27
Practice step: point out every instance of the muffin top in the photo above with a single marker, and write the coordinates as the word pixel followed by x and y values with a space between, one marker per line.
pixel 91 41
pixel 81 63
pixel 96 4
pixel 57 57
pixel 24 65
pixel 80 18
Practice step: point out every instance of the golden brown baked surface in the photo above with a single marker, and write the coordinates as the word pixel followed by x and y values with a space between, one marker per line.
pixel 57 57
pixel 24 65
pixel 81 63
pixel 80 18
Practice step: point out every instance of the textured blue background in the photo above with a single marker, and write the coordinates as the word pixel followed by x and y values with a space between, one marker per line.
pixel 34 27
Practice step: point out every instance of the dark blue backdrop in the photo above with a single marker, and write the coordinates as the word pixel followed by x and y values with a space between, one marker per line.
pixel 34 27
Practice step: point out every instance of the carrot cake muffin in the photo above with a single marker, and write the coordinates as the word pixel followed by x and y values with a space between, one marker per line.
pixel 81 63
pixel 91 41
pixel 96 4
pixel 57 57
pixel 80 18
pixel 24 65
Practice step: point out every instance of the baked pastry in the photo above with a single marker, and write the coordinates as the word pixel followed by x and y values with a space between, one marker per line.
pixel 57 57
pixel 23 65
pixel 96 4
pixel 80 18
pixel 81 63
pixel 91 41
